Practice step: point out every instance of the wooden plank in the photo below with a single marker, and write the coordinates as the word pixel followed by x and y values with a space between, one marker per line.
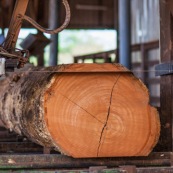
pixel 134 48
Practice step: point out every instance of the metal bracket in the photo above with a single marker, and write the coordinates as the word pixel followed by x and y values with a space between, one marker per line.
pixel 164 69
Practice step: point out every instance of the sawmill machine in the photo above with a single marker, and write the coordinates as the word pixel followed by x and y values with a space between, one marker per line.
pixel 12 57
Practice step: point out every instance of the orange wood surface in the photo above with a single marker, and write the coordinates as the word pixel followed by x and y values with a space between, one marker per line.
pixel 97 114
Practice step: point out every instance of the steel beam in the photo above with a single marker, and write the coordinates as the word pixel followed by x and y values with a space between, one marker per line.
pixel 54 7
pixel 124 33
pixel 55 161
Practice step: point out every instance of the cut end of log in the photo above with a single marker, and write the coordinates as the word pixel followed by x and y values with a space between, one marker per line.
pixel 82 110
pixel 95 114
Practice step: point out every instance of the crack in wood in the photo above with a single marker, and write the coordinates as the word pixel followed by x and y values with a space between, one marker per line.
pixel 107 118
pixel 81 108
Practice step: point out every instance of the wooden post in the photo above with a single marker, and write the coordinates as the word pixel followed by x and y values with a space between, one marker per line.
pixel 166 91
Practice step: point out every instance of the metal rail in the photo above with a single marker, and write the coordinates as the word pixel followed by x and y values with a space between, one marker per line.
pixel 55 161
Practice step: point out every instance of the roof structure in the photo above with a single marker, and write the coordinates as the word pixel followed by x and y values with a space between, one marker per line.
pixel 90 14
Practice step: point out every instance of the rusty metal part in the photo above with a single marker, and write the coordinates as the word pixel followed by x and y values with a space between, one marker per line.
pixel 55 161
pixel 21 55
pixel 8 51
pixel 49 31
pixel 19 16
pixel 15 24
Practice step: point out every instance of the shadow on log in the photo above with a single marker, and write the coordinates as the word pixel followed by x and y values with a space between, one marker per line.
pixel 82 110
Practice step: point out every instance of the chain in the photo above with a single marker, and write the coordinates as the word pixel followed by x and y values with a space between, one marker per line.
pixel 21 55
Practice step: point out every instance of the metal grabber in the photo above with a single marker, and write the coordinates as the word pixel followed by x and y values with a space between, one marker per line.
pixel 10 56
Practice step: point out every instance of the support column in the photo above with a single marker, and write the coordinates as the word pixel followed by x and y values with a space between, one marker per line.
pixel 166 85
pixel 124 33
pixel 116 29
pixel 54 7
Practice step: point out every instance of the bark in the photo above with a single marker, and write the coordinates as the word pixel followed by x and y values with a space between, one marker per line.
pixel 82 110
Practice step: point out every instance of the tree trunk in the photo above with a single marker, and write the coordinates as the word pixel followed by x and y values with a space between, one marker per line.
pixel 82 110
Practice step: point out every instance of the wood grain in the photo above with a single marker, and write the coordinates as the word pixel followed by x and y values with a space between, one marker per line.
pixel 84 110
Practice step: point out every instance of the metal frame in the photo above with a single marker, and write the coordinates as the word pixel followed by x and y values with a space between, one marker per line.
pixel 164 69
pixel 57 161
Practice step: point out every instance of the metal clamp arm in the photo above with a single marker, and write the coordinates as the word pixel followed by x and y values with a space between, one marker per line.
pixel 49 31
pixel 8 50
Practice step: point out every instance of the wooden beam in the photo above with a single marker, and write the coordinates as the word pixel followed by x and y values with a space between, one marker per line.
pixel 166 92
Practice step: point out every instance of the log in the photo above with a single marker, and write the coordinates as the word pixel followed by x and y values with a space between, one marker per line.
pixel 81 110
